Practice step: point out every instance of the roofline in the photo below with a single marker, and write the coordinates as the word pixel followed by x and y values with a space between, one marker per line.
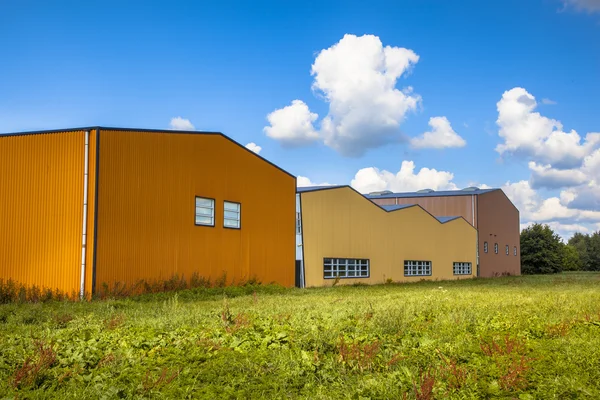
pixel 171 131
pixel 383 209
pixel 507 198
pixel 458 192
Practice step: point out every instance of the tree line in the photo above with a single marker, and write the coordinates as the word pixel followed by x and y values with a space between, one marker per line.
pixel 543 251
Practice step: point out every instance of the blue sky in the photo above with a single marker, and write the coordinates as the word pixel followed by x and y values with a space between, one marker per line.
pixel 225 66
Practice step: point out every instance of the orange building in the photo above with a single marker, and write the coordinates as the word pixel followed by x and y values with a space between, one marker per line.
pixel 85 207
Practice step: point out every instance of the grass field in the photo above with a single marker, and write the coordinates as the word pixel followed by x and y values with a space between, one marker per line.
pixel 514 337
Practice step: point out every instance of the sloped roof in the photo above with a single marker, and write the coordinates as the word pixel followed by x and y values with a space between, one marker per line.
pixel 433 193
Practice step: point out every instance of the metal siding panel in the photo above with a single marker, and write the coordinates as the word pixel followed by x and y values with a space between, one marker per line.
pixel 438 206
pixel 341 223
pixel 147 185
pixel 41 187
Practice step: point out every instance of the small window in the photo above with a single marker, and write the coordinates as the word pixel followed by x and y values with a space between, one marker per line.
pixel 298 223
pixel 462 268
pixel 496 248
pixel 205 211
pixel 485 247
pixel 417 268
pixel 231 215
pixel 345 268
pixel 515 250
pixel 507 250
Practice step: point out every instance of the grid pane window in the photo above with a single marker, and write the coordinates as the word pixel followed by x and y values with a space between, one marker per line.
pixel 417 268
pixel 496 248
pixel 205 211
pixel 345 268
pixel 485 247
pixel 462 268
pixel 231 215
pixel 298 224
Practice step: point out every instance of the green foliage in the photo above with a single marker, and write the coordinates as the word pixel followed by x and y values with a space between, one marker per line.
pixel 570 259
pixel 588 249
pixel 541 250
pixel 527 337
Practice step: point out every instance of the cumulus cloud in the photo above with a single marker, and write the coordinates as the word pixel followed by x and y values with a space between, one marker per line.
pixel 372 179
pixel 589 6
pixel 181 124
pixel 548 177
pixel 254 147
pixel 357 78
pixel 303 181
pixel 292 125
pixel 530 134
pixel 441 136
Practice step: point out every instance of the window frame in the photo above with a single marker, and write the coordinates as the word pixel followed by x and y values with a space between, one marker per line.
pixel 418 261
pixel 454 266
pixel 357 268
pixel 214 206
pixel 239 220
pixel 496 248
pixel 485 247
pixel 298 223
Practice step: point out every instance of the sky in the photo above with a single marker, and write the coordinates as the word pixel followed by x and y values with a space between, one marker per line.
pixel 382 95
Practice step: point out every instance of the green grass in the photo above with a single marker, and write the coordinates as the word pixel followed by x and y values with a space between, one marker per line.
pixel 513 337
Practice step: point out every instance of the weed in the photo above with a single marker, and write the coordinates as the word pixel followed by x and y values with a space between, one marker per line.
pixel 34 369
pixel 358 356
pixel 165 377
pixel 114 322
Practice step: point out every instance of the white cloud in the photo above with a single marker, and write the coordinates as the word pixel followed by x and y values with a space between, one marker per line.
pixel 181 124
pixel 357 78
pixel 548 177
pixel 441 136
pixel 530 134
pixel 372 179
pixel 292 125
pixel 303 181
pixel 548 102
pixel 589 6
pixel 254 147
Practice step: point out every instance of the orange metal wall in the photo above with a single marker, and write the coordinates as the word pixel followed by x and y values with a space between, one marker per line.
pixel 498 223
pixel 440 206
pixel 41 192
pixel 146 206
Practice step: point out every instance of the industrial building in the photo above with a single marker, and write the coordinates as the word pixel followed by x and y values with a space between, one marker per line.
pixel 343 237
pixel 85 207
pixel 488 210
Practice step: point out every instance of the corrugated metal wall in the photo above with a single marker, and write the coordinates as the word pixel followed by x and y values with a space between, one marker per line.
pixel 462 206
pixel 41 192
pixel 146 206
pixel 341 223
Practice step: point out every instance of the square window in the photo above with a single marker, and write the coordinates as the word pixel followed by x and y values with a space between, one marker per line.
pixel 231 215
pixel 205 211
pixel 462 268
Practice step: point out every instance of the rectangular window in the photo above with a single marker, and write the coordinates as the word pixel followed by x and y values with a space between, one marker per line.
pixel 298 223
pixel 515 249
pixel 462 268
pixel 205 211
pixel 507 250
pixel 345 268
pixel 485 247
pixel 231 215
pixel 417 268
pixel 496 248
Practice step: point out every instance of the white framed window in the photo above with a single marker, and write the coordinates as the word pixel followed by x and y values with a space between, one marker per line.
pixel 485 247
pixel 515 250
pixel 496 248
pixel 507 250
pixel 462 268
pixel 232 215
pixel 345 268
pixel 205 211
pixel 298 223
pixel 417 268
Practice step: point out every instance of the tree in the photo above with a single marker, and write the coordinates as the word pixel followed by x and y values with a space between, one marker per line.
pixel 594 251
pixel 570 258
pixel 541 250
pixel 581 243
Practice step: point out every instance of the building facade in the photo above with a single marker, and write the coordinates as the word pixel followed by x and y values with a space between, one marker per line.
pixel 90 207
pixel 488 210
pixel 343 237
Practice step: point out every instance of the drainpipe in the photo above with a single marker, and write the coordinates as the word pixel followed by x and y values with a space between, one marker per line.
pixel 85 207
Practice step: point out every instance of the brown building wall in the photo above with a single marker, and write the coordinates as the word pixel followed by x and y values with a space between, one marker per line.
pixel 148 182
pixel 446 206
pixel 498 223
